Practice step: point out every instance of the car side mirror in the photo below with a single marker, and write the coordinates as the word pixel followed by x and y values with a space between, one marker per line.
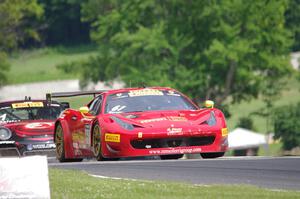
pixel 65 105
pixel 209 104
pixel 84 109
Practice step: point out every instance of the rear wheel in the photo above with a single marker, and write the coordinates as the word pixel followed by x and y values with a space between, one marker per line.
pixel 60 146
pixel 212 155
pixel 171 157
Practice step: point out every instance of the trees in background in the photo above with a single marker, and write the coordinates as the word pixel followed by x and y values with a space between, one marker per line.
pixel 292 22
pixel 220 50
pixel 287 125
pixel 62 22
pixel 17 25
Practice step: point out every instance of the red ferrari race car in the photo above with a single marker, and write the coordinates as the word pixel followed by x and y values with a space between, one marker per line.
pixel 26 126
pixel 133 122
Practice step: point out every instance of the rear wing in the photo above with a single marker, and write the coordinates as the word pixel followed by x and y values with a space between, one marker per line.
pixel 50 96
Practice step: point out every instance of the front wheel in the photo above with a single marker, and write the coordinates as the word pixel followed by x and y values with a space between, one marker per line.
pixel 97 143
pixel 60 146
pixel 171 157
pixel 212 155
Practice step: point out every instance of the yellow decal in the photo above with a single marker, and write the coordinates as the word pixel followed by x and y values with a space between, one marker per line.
pixel 112 137
pixel 78 137
pixel 144 92
pixel 177 118
pixel 27 104
pixel 224 131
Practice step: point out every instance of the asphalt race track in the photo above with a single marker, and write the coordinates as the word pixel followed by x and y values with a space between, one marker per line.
pixel 267 172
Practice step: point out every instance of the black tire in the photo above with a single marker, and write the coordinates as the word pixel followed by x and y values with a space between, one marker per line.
pixel 212 155
pixel 97 143
pixel 171 157
pixel 60 146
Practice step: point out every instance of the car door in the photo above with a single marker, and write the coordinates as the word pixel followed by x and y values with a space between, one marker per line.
pixel 87 120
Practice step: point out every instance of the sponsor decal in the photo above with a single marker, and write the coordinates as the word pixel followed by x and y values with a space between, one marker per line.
pixel 87 130
pixel 39 125
pixel 78 137
pixel 7 142
pixel 27 104
pixel 154 120
pixel 224 131
pixel 173 93
pixel 75 145
pixel 175 151
pixel 2 117
pixel 170 118
pixel 43 146
pixel 144 92
pixel 109 137
pixel 174 131
pixel 177 118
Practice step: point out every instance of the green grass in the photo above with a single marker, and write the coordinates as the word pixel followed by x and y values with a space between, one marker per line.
pixel 290 95
pixel 71 184
pixel 76 102
pixel 273 149
pixel 40 64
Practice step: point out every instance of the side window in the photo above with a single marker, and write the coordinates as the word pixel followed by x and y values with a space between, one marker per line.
pixel 95 106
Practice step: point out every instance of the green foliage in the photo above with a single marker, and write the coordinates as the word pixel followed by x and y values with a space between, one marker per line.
pixel 287 125
pixel 245 122
pixel 292 16
pixel 16 26
pixel 62 22
pixel 4 66
pixel 17 22
pixel 208 49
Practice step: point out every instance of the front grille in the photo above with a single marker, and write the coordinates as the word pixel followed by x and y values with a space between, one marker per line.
pixel 172 142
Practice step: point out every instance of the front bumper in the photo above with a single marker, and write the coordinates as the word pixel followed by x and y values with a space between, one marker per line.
pixel 152 144
pixel 23 148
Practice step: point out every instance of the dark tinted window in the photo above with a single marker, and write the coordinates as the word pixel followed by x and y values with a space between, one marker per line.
pixel 95 106
pixel 146 100
pixel 29 111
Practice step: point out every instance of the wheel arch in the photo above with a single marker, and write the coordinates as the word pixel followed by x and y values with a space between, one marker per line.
pixel 69 151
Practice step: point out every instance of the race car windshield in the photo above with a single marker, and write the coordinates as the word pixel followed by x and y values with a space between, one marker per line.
pixel 29 111
pixel 146 100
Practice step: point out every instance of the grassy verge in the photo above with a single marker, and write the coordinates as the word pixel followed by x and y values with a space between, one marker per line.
pixel 77 102
pixel 75 184
pixel 40 64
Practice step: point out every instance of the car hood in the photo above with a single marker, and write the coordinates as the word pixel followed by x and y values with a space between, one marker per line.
pixel 32 127
pixel 167 118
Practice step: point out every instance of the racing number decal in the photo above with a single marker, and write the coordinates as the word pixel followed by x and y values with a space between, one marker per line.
pixel 3 117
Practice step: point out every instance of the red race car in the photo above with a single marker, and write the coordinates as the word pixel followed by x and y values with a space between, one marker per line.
pixel 26 126
pixel 133 122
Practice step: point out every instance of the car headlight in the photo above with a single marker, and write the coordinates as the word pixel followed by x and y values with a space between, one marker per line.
pixel 123 124
pixel 212 119
pixel 5 133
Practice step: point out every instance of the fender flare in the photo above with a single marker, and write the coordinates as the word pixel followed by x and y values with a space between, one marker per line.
pixel 69 150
